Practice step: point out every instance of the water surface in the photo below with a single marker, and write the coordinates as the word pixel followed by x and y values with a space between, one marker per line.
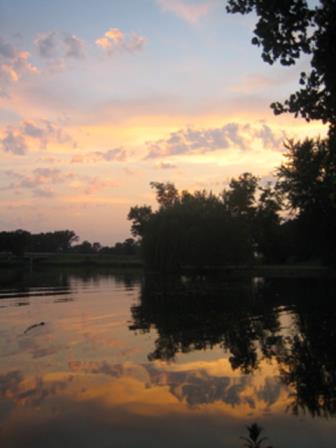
pixel 103 359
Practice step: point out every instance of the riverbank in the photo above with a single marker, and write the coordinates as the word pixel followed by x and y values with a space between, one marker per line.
pixel 72 260
pixel 130 261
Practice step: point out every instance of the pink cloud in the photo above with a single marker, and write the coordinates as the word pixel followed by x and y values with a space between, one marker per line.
pixel 190 12
pixel 21 138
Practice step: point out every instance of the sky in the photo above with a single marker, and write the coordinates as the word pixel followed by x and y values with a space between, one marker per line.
pixel 99 98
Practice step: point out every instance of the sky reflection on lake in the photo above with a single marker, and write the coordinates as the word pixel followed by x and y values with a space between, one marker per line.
pixel 124 361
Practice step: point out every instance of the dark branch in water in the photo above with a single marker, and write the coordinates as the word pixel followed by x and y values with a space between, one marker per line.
pixel 33 326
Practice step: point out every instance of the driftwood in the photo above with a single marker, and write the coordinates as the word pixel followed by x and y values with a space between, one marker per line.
pixel 33 326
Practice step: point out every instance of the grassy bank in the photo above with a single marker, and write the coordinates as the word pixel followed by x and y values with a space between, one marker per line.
pixel 58 260
pixel 131 261
pixel 117 261
pixel 284 271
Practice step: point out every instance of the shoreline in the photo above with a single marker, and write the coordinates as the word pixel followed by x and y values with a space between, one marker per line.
pixel 49 261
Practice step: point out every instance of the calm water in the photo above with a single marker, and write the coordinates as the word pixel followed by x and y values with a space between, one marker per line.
pixel 99 359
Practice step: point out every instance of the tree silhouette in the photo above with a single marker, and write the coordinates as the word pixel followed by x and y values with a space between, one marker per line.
pixel 285 30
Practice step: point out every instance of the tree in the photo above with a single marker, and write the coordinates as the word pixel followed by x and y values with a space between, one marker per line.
pixel 285 30
pixel 201 229
pixel 307 181
pixel 166 193
pixel 239 200
pixel 139 217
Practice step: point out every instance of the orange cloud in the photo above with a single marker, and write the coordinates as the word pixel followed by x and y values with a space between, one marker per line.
pixel 115 40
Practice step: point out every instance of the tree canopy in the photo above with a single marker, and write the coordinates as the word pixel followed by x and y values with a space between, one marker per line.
pixel 287 29
pixel 203 229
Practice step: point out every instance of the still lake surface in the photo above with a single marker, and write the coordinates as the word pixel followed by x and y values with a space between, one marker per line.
pixel 105 359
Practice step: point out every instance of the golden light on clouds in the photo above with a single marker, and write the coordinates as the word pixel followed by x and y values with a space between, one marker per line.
pixel 122 104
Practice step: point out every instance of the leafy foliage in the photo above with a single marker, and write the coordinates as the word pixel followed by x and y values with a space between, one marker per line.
pixel 307 181
pixel 285 30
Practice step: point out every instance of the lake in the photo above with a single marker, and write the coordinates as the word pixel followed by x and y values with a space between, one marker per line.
pixel 94 358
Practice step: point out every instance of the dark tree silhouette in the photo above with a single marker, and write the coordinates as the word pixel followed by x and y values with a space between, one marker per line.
pixel 285 30
pixel 202 229
pixel 308 182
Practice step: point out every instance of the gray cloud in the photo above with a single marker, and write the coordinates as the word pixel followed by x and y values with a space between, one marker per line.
pixel 47 45
pixel 116 155
pixel 166 166
pixel 199 141
pixel 40 181
pixel 55 48
pixel 43 132
pixel 14 64
pixel 7 50
pixel 74 47
pixel 269 138
pixel 14 143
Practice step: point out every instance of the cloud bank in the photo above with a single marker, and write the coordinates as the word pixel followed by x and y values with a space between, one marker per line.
pixel 200 141
pixel 27 135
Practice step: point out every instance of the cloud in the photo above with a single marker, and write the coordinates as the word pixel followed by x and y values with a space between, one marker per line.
pixel 74 47
pixel 166 166
pixel 57 48
pixel 115 155
pixel 189 12
pixel 7 50
pixel 19 139
pixel 269 138
pixel 14 143
pixel 47 45
pixel 40 181
pixel 115 40
pixel 14 65
pixel 192 140
pixel 94 184
pixel 200 141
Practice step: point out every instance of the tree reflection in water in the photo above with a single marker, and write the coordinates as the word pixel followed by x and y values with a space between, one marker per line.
pixel 254 439
pixel 244 318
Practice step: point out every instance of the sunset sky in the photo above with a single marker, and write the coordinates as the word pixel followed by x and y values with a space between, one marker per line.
pixel 98 98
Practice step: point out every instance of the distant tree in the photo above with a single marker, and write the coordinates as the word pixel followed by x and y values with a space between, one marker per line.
pixel 64 239
pixel 84 248
pixel 16 242
pixel 96 247
pixel 285 30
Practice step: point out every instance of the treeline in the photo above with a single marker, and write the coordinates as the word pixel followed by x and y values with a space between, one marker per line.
pixel 19 242
pixel 291 220
pixel 128 247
